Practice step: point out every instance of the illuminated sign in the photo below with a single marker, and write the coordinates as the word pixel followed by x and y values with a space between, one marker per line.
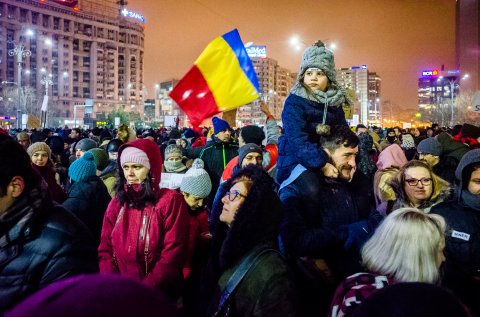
pixel 430 73
pixel 134 15
pixel 68 3
pixel 257 51
pixel 364 66
pixel 453 72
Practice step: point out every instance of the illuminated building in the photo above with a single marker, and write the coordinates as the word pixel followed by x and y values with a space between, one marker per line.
pixel 437 91
pixel 93 49
pixel 366 88
pixel 275 83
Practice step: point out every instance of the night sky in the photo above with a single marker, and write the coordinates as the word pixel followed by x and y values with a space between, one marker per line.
pixel 395 38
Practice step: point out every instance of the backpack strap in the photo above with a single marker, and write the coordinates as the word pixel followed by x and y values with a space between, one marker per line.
pixel 245 266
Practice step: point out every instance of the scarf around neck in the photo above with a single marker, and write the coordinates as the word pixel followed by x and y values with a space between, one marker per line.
pixel 333 97
pixel 471 200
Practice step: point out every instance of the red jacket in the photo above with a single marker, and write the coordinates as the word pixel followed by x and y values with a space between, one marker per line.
pixel 149 245
pixel 199 238
pixel 270 150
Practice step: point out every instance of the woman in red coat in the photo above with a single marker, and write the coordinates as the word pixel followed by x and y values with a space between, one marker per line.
pixel 145 229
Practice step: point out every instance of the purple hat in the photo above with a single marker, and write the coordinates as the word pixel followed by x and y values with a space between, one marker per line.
pixel 96 295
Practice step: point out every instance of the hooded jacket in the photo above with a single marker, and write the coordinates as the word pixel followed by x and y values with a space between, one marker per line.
pixel 267 289
pixel 149 244
pixel 462 216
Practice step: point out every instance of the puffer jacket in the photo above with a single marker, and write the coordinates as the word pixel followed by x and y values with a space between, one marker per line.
pixel 40 242
pixel 300 143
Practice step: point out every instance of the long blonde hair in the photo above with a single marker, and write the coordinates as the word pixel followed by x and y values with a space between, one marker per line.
pixel 406 245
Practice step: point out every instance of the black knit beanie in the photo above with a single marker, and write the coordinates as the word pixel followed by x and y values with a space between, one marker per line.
pixel 252 134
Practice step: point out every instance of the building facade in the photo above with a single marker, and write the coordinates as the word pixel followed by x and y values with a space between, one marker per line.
pixel 365 87
pixel 275 83
pixel 88 53
pixel 437 92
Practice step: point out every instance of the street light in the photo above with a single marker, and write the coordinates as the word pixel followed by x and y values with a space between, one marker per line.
pixel 19 51
pixel 46 81
pixel 296 42
pixel 453 83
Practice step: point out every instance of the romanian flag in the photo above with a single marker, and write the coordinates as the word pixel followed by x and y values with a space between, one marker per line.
pixel 221 79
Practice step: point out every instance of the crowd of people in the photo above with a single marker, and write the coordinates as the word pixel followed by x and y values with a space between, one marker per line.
pixel 314 218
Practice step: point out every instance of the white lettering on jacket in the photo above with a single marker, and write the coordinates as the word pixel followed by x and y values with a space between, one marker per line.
pixel 460 235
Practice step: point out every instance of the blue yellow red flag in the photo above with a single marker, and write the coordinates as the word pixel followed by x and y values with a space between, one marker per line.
pixel 221 79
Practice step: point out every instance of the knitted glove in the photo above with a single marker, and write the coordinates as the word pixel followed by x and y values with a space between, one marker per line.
pixel 358 233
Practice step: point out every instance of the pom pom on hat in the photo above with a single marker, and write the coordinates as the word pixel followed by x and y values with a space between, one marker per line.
pixel 39 146
pixel 219 125
pixel 318 56
pixel 82 168
pixel 134 155
pixel 100 157
pixel 196 180
pixel 85 144
pixel 430 146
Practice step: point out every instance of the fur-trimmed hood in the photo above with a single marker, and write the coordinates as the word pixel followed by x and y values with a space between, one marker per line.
pixel 440 192
pixel 256 222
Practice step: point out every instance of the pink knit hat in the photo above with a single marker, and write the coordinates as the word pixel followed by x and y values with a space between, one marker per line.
pixel 134 155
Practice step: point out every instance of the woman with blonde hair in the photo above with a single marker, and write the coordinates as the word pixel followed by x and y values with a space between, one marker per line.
pixel 416 185
pixel 406 247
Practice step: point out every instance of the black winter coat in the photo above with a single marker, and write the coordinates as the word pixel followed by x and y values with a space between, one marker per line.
pixel 317 213
pixel 216 155
pixel 88 200
pixel 44 245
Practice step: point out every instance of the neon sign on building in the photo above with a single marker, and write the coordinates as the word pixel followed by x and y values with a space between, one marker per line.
pixel 131 14
pixel 430 73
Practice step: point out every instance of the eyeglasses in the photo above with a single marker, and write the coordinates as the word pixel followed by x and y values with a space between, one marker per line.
pixel 232 195
pixel 414 181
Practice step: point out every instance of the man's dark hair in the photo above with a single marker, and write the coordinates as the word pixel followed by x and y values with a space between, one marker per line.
pixel 77 130
pixel 14 161
pixel 339 135
pixel 360 126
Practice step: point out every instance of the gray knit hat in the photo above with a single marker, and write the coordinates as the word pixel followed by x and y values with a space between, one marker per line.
pixel 196 180
pixel 39 146
pixel 246 149
pixel 430 146
pixel 172 150
pixel 85 144
pixel 318 56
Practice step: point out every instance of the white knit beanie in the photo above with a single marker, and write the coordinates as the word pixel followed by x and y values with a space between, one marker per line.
pixel 196 180
pixel 134 155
